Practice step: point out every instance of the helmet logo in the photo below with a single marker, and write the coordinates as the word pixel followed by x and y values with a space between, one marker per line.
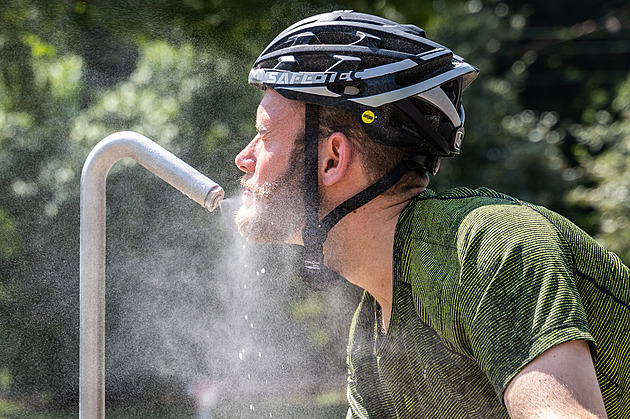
pixel 368 117
pixel 459 136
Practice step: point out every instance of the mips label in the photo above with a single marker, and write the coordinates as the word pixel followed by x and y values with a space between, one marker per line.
pixel 368 117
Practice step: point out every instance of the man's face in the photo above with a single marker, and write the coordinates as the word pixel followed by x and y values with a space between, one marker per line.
pixel 272 209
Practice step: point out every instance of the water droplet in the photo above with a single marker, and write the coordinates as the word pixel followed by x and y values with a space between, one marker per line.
pixel 251 325
pixel 262 270
pixel 259 354
pixel 240 356
pixel 245 286
pixel 251 407
pixel 246 317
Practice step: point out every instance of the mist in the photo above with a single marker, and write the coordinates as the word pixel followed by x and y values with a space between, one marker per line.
pixel 196 303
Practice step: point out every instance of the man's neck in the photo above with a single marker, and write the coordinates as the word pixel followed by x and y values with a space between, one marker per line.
pixel 360 247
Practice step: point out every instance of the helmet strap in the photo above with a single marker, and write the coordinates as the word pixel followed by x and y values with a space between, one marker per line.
pixel 315 232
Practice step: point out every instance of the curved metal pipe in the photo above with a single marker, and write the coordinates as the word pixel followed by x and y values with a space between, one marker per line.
pixel 92 270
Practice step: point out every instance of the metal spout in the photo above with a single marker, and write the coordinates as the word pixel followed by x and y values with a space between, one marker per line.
pixel 92 271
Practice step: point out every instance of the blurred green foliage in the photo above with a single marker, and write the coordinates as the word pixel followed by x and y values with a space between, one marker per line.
pixel 548 121
pixel 603 150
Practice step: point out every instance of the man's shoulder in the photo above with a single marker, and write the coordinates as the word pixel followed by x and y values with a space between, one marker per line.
pixel 463 197
pixel 458 216
pixel 432 211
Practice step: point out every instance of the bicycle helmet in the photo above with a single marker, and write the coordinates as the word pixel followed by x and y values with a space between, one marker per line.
pixel 404 89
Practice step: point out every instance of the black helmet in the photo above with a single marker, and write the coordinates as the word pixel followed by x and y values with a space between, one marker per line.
pixel 404 89
pixel 388 75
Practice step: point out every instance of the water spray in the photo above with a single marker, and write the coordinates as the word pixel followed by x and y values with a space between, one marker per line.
pixel 169 168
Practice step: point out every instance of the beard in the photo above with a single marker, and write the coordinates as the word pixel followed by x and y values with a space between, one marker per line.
pixel 276 210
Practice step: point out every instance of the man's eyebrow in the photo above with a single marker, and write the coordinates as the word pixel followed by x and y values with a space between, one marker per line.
pixel 261 128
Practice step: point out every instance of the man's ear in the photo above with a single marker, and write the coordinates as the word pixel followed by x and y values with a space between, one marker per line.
pixel 335 155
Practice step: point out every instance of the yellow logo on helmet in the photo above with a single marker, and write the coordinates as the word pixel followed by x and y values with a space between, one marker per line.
pixel 368 117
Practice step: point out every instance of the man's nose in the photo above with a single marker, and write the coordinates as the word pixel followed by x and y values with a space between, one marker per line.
pixel 245 159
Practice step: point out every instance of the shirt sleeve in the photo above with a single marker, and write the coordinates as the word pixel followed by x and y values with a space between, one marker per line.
pixel 517 296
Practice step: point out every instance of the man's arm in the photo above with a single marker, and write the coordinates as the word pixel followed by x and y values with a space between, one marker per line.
pixel 560 383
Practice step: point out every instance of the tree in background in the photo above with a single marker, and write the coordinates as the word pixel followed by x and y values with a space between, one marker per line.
pixel 603 151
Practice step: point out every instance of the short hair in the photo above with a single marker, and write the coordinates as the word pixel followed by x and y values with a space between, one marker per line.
pixel 376 159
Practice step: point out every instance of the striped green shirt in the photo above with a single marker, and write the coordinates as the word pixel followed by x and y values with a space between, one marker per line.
pixel 484 283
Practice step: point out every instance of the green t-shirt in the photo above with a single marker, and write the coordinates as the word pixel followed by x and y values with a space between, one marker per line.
pixel 484 283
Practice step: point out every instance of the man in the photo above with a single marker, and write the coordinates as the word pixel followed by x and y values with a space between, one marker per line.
pixel 476 304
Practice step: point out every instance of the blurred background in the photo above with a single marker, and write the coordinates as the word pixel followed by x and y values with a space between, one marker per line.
pixel 197 318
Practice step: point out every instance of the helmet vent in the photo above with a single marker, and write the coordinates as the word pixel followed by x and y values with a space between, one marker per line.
pixel 303 38
pixel 344 88
pixel 351 90
pixel 418 73
pixel 345 63
pixel 367 40
pixel 338 38
pixel 286 62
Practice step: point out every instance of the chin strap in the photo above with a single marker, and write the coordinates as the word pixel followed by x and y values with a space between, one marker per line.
pixel 315 231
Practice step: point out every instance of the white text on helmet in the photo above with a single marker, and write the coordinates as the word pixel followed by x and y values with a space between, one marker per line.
pixel 271 77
